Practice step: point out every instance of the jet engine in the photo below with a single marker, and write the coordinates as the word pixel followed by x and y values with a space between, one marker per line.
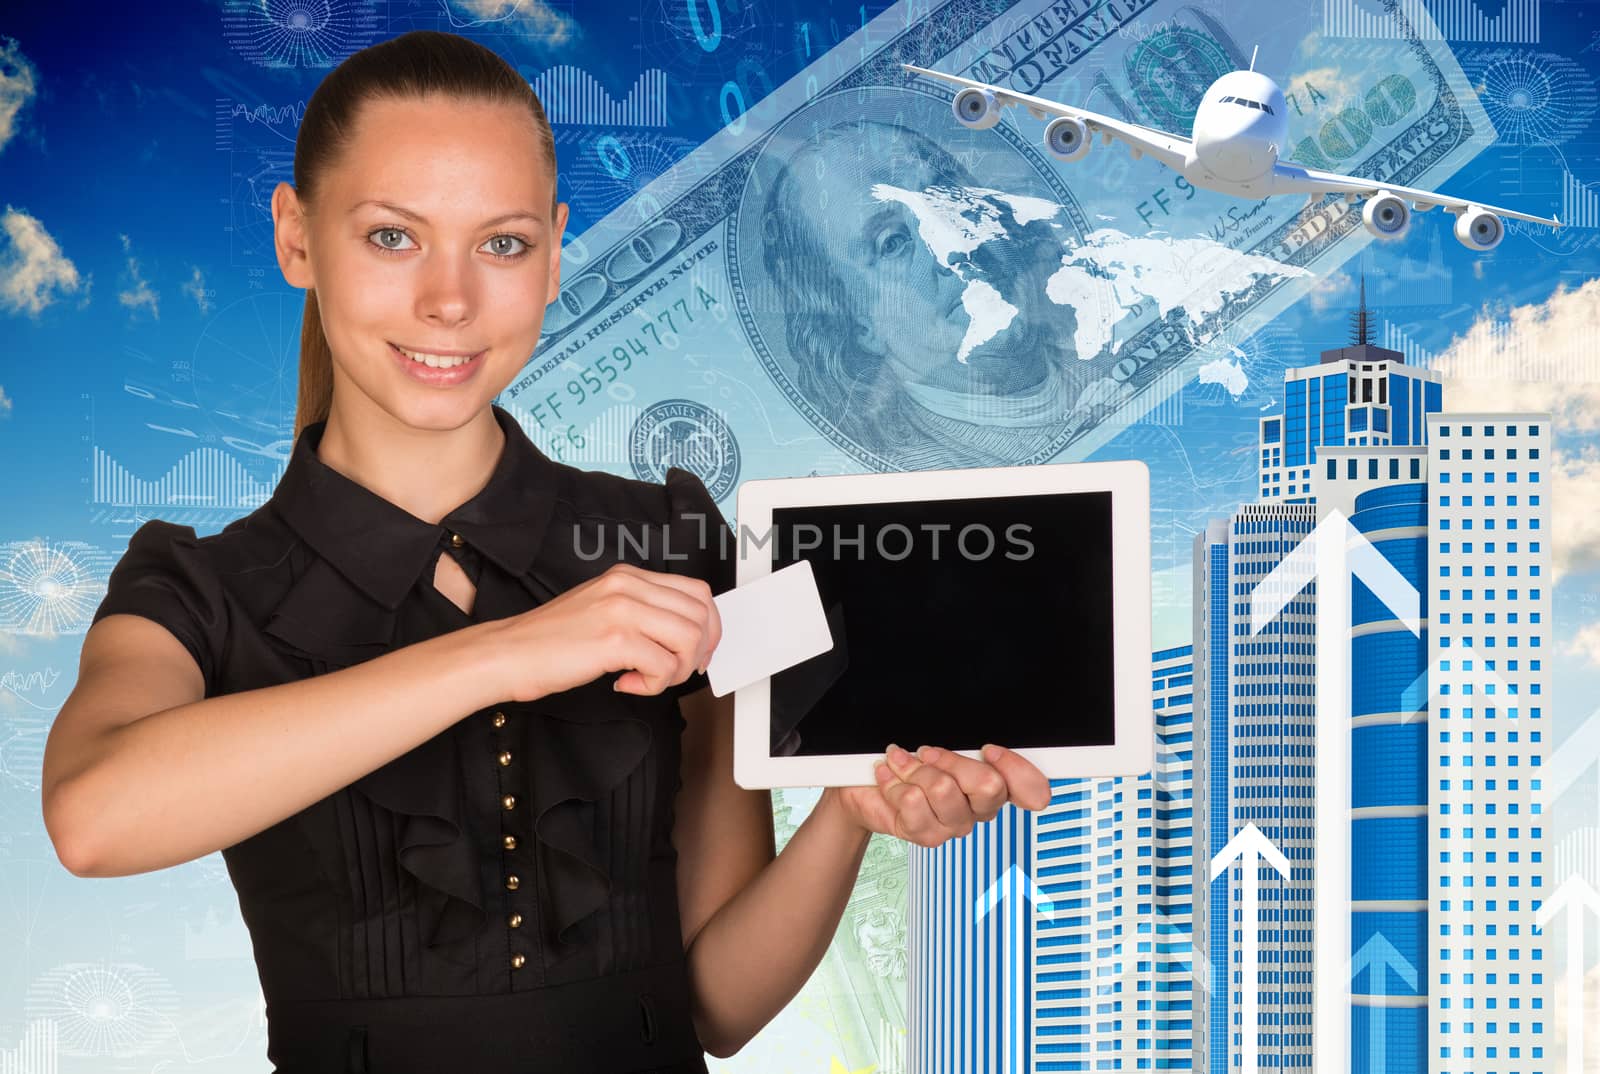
pixel 1479 229
pixel 976 108
pixel 1387 216
pixel 1067 138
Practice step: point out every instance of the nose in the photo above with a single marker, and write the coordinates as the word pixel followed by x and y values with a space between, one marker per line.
pixel 445 293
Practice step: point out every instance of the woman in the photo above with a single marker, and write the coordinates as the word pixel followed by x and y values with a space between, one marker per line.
pixel 441 751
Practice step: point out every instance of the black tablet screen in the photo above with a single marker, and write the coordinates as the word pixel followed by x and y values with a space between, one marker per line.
pixel 955 623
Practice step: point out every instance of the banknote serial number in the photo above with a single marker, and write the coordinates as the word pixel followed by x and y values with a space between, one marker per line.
pixel 563 357
pixel 663 331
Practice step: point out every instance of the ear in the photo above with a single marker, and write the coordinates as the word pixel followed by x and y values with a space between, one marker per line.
pixel 559 230
pixel 289 237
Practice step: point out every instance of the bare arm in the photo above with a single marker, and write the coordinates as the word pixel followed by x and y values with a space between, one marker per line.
pixel 755 923
pixel 140 773
pixel 760 948
pixel 182 782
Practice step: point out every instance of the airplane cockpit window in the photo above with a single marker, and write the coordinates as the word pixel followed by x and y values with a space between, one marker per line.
pixel 1226 100
pixel 1254 104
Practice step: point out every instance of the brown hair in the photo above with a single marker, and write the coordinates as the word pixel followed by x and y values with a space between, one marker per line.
pixel 407 67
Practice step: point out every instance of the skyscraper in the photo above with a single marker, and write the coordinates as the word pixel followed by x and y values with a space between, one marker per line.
pixel 1255 718
pixel 1490 996
pixel 1445 976
pixel 1067 933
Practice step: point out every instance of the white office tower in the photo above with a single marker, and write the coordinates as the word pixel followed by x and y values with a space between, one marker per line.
pixel 1061 940
pixel 1491 993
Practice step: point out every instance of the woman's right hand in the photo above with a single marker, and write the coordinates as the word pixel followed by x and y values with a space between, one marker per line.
pixel 656 628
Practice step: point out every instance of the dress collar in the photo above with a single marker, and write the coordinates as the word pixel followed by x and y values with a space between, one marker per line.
pixel 383 548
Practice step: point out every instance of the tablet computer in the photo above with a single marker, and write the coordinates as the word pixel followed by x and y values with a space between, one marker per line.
pixel 988 604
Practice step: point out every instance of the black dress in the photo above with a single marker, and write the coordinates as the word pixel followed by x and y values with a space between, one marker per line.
pixel 501 899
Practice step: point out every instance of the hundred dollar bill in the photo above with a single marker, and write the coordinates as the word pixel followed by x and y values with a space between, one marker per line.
pixel 845 279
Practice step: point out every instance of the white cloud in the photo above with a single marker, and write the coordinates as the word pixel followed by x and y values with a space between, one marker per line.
pixel 1325 290
pixel 1545 356
pixel 5 403
pixel 196 289
pixel 1585 644
pixel 535 18
pixel 17 86
pixel 1560 1022
pixel 1575 543
pixel 32 266
pixel 139 292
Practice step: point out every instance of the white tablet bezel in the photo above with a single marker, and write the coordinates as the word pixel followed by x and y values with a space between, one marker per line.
pixel 1133 752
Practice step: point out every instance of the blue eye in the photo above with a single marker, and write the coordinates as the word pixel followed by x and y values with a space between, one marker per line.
pixel 386 231
pixel 513 238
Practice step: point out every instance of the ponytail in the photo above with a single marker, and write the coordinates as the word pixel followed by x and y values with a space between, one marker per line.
pixel 316 369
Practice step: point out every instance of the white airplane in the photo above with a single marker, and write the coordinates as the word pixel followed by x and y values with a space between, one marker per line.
pixel 1240 127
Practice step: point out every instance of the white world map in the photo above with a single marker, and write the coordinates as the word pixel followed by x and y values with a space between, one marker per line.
pixel 1195 275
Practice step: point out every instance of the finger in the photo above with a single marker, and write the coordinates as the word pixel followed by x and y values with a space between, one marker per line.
pixel 944 794
pixel 675 633
pixel 669 591
pixel 913 816
pixel 1026 785
pixel 981 782
pixel 689 596
pixel 648 668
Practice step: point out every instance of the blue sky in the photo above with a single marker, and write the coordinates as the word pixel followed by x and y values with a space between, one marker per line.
pixel 143 315
pixel 120 181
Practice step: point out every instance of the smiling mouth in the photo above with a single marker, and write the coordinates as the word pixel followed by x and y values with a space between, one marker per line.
pixel 437 359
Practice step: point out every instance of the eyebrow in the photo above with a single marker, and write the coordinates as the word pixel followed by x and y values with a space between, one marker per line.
pixel 401 210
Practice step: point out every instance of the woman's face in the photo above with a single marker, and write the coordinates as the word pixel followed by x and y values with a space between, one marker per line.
pixel 464 255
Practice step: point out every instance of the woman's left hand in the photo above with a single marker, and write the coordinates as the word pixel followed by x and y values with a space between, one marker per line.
pixel 934 794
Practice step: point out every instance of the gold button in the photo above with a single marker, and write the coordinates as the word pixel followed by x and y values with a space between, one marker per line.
pixel 499 719
pixel 510 842
pixel 515 921
pixel 512 883
pixel 509 801
pixel 505 757
pixel 517 961
pixel 456 541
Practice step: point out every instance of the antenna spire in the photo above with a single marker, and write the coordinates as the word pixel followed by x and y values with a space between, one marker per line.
pixel 1253 57
pixel 1361 320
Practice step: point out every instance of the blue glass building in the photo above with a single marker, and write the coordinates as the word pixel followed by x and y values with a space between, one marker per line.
pixel 1389 797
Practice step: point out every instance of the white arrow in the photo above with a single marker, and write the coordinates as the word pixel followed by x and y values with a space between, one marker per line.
pixel 1571 759
pixel 1575 896
pixel 1249 846
pixel 1327 557
pixel 1378 956
pixel 1015 880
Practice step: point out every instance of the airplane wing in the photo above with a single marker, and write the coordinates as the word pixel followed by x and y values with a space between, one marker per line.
pixel 1291 178
pixel 1170 149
